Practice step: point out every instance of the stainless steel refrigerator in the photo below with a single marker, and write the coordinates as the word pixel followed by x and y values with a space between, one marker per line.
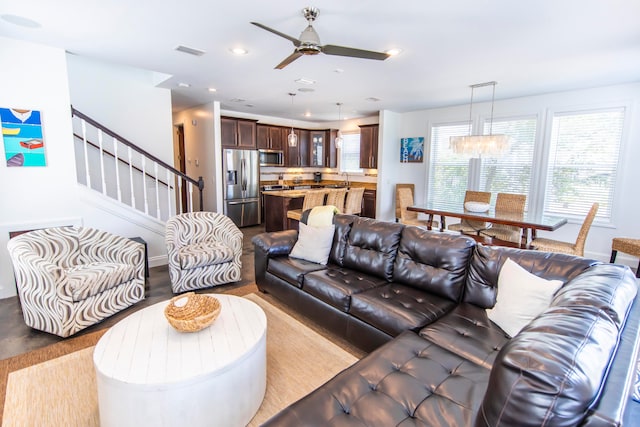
pixel 241 186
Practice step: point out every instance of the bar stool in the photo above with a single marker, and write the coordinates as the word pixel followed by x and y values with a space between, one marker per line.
pixel 336 198
pixel 628 246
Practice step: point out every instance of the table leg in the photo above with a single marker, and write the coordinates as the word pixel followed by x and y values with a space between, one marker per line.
pixel 430 223
pixel 443 225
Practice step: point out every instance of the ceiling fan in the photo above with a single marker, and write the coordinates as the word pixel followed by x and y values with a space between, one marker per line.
pixel 309 43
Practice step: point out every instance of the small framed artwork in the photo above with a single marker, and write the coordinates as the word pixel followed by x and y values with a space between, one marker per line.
pixel 412 150
pixel 22 137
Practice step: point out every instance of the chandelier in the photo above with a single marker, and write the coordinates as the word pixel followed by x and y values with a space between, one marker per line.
pixel 481 145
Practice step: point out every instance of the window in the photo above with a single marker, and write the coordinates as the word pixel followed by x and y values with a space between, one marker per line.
pixel 583 158
pixel 448 171
pixel 510 173
pixel 350 153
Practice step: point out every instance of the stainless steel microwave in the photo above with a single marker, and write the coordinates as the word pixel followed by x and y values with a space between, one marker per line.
pixel 271 157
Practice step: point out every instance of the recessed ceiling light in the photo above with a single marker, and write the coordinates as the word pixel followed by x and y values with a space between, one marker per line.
pixel 338 70
pixel 239 51
pixel 190 50
pixel 306 89
pixel 393 52
pixel 305 81
pixel 249 105
pixel 307 114
pixel 212 89
pixel 184 84
pixel 237 100
pixel 21 21
pixel 372 99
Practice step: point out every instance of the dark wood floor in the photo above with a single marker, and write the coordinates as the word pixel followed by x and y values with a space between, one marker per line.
pixel 17 338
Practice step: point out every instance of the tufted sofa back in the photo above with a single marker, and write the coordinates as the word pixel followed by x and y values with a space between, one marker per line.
pixel 486 262
pixel 371 246
pixel 439 267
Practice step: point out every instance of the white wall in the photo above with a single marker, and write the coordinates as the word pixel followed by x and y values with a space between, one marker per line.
pixel 626 205
pixel 125 100
pixel 199 143
pixel 40 78
pixel 34 197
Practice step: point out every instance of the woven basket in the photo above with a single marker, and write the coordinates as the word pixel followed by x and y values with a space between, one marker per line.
pixel 191 312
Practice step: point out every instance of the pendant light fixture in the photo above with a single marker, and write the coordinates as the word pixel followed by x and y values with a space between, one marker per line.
pixel 339 138
pixel 292 138
pixel 481 145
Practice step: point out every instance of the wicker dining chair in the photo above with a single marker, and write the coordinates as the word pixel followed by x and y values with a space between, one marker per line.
pixel 398 186
pixel 576 248
pixel 407 217
pixel 312 198
pixel 627 246
pixel 336 197
pixel 470 226
pixel 512 205
pixel 353 203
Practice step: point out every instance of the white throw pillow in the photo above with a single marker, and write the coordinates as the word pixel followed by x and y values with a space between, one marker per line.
pixel 314 243
pixel 521 297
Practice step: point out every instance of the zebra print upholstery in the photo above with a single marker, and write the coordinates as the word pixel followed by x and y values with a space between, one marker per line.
pixel 204 250
pixel 69 278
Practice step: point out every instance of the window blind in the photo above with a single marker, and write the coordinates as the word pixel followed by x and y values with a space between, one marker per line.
pixel 510 173
pixel 350 153
pixel 448 172
pixel 583 158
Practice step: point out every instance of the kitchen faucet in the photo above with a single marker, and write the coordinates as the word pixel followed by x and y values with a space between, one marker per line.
pixel 346 181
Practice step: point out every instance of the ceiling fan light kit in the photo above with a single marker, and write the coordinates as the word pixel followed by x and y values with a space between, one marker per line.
pixel 309 43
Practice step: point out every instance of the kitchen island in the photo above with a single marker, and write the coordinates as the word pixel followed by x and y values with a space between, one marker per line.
pixel 276 203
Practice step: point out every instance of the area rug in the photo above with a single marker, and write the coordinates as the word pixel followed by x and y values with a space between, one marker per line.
pixel 62 391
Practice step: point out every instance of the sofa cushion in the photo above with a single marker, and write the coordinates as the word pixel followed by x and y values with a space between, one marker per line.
pixel 486 261
pixel 204 253
pixel 432 261
pixel 372 246
pixel 407 382
pixel 292 270
pixel 87 280
pixel 335 286
pixel 395 308
pixel 467 332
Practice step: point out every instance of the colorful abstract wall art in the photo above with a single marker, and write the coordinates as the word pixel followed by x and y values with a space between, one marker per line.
pixel 22 136
pixel 412 150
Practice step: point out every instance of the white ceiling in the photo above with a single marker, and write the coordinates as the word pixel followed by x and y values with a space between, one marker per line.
pixel 529 47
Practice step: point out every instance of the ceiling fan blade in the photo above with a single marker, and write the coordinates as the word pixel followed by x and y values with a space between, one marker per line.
pixel 355 53
pixel 293 40
pixel 288 60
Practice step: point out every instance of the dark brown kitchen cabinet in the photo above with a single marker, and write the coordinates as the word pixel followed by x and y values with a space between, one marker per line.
pixel 369 204
pixel 271 137
pixel 369 146
pixel 297 156
pixel 322 148
pixel 238 133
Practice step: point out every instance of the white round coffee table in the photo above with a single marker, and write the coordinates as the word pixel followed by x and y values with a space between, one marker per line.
pixel 149 374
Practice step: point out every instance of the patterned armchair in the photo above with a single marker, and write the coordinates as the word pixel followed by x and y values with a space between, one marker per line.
pixel 204 250
pixel 70 278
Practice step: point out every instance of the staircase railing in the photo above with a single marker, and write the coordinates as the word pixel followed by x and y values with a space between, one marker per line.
pixel 116 167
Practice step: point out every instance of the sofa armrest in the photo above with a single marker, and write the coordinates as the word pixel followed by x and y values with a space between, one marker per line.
pixel 276 244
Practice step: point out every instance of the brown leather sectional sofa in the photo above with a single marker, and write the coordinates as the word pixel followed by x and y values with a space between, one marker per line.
pixel 416 299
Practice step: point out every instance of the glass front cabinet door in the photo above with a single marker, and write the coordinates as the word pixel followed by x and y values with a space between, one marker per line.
pixel 317 148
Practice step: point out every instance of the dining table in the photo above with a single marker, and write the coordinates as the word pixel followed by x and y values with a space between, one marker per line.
pixel 529 222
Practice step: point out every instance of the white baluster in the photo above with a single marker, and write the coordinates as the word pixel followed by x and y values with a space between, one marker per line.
pixel 190 197
pixel 168 194
pixel 104 182
pixel 180 192
pixel 115 154
pixel 86 154
pixel 157 192
pixel 144 185
pixel 133 194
